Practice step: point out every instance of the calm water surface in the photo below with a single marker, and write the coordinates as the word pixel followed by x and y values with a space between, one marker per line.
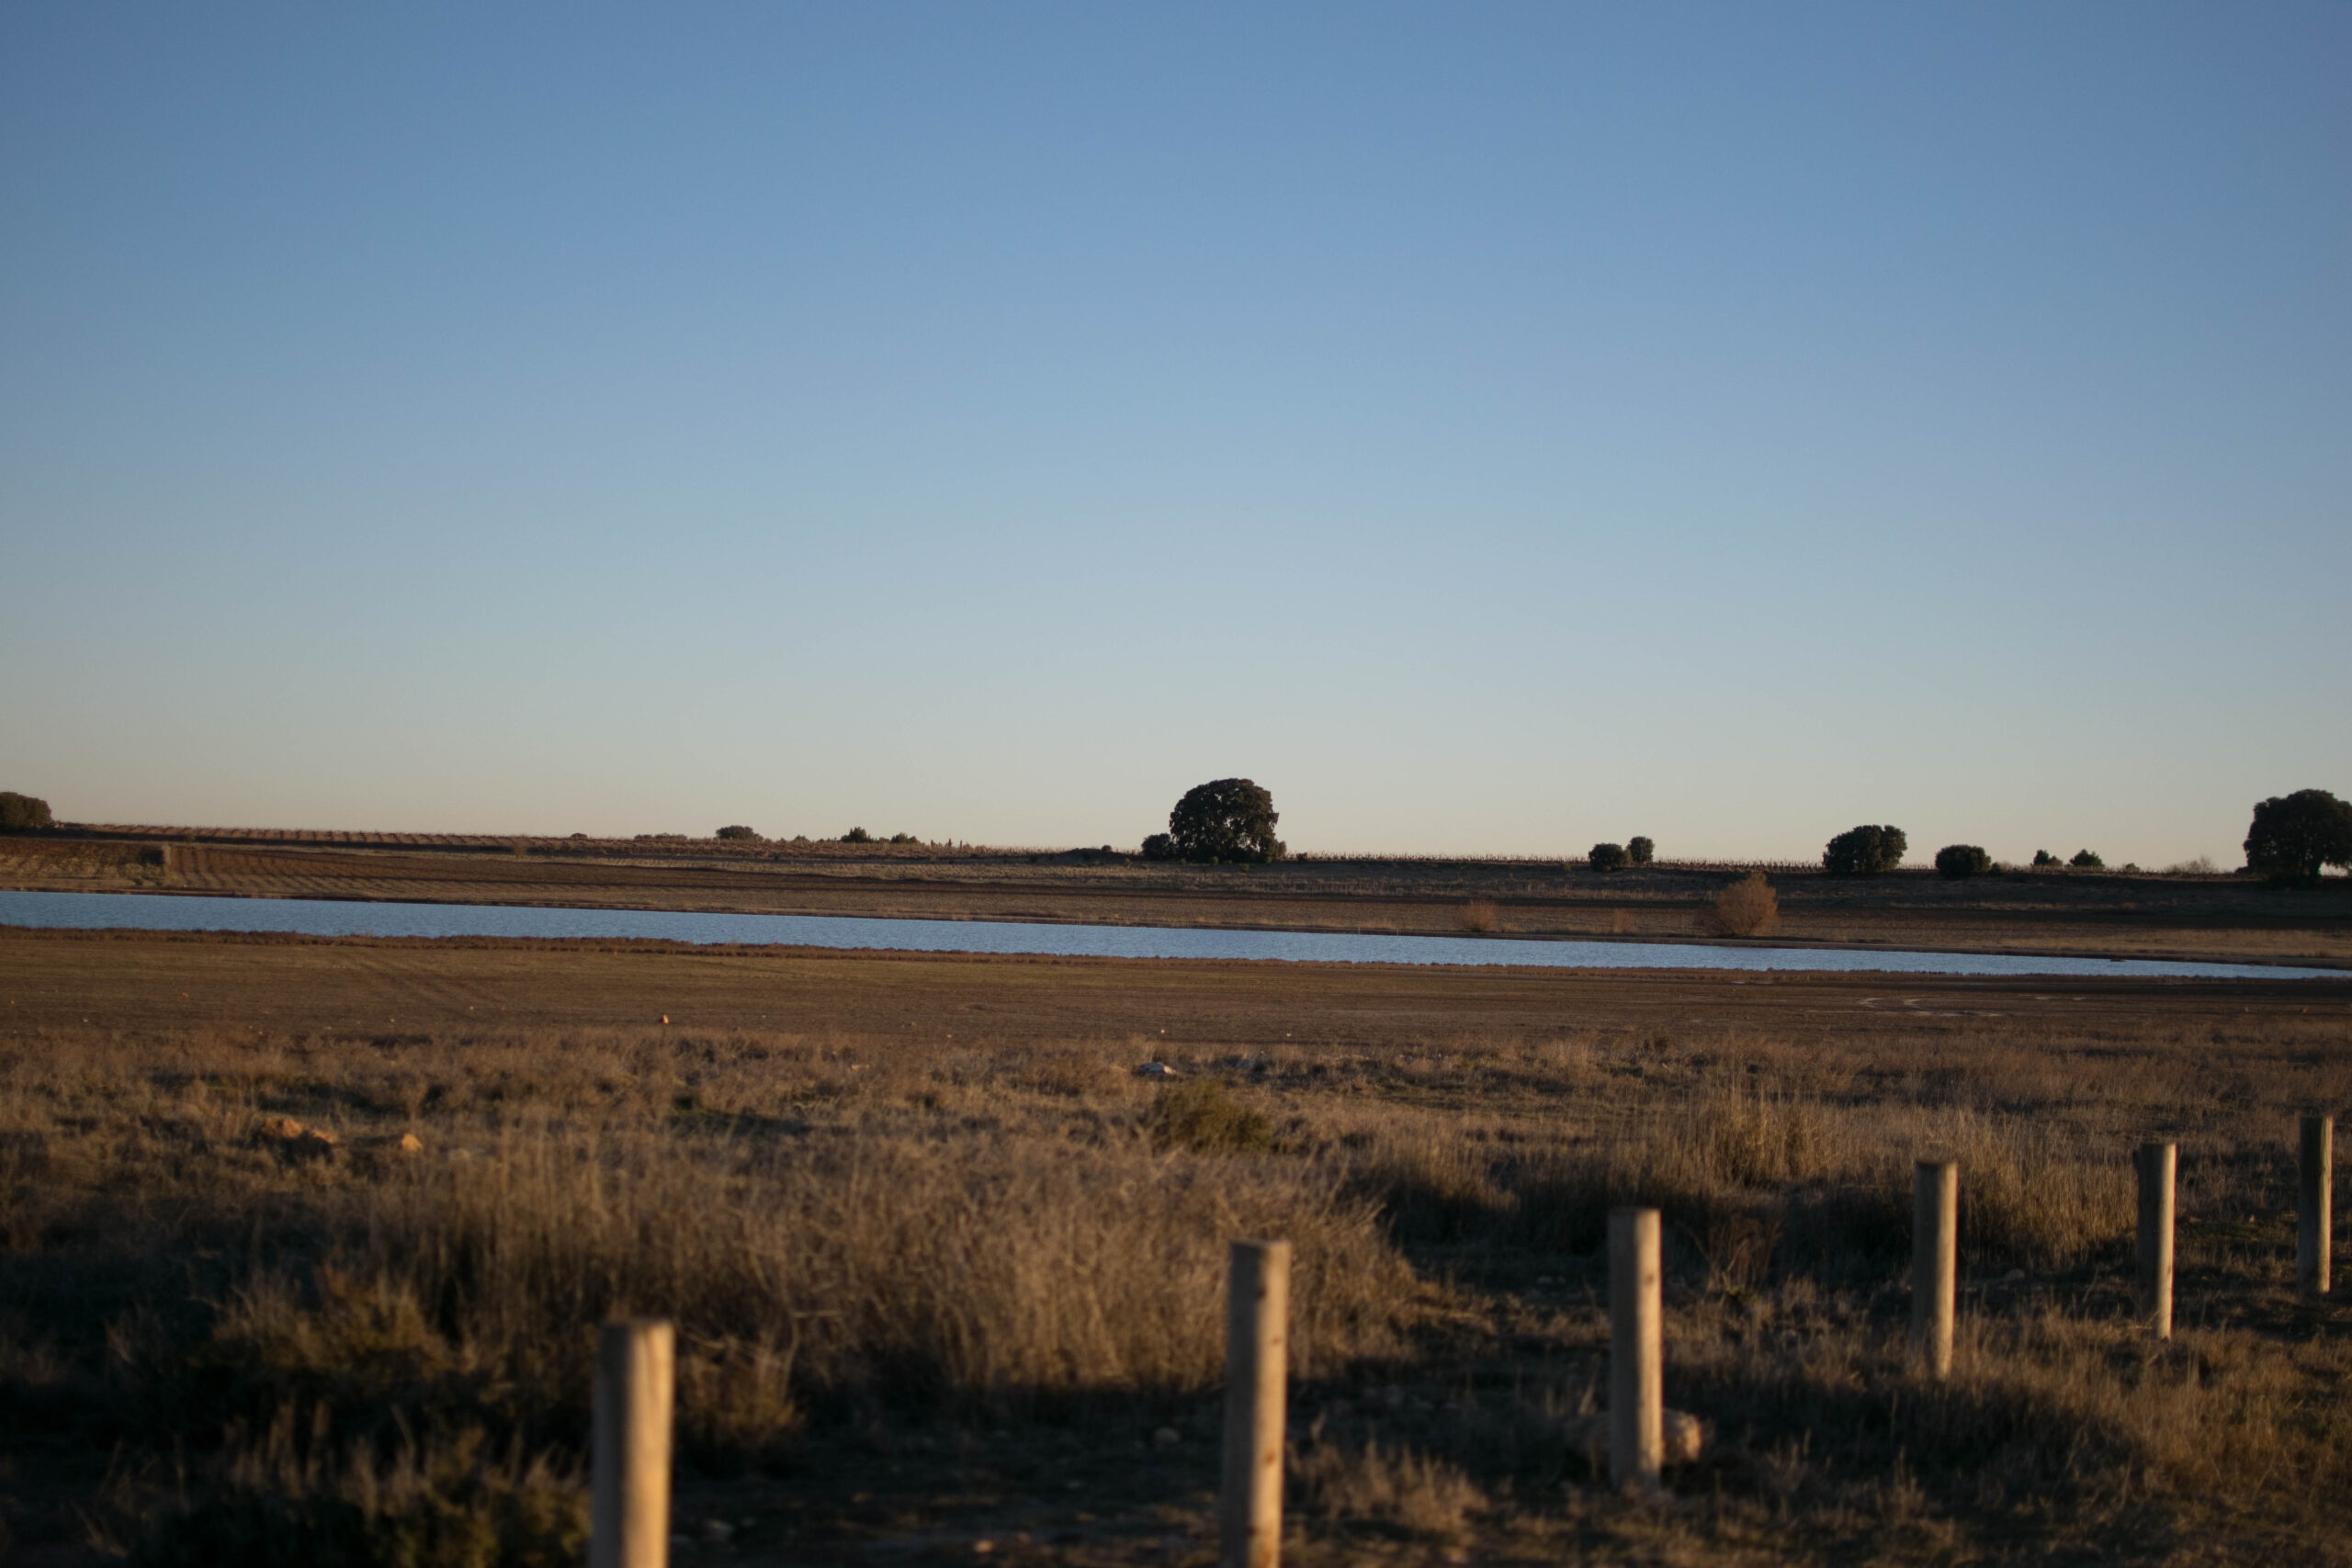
pixel 149 911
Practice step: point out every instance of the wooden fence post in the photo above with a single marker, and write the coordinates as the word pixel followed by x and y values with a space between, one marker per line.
pixel 1636 1352
pixel 1257 1338
pixel 2315 1206
pixel 629 1525
pixel 1935 1260
pixel 2157 1165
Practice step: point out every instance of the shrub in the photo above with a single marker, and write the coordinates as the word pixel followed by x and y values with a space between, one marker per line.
pixel 22 813
pixel 2086 861
pixel 1225 820
pixel 904 839
pixel 737 830
pixel 1864 851
pixel 1159 846
pixel 2294 835
pixel 1641 849
pixel 857 836
pixel 1479 916
pixel 1957 861
pixel 1607 858
pixel 1747 908
pixel 2044 857
pixel 1202 1115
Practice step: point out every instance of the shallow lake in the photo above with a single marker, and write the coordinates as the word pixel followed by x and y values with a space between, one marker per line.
pixel 149 911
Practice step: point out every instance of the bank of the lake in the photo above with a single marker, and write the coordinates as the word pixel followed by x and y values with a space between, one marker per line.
pixel 330 917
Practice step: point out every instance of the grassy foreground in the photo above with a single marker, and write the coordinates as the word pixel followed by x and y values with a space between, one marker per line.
pixel 946 1270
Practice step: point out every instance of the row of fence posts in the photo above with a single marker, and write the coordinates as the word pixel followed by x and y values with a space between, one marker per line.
pixel 634 1358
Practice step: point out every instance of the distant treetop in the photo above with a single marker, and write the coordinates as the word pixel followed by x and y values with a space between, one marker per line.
pixel 1959 861
pixel 2294 835
pixel 22 813
pixel 1864 851
pixel 1224 820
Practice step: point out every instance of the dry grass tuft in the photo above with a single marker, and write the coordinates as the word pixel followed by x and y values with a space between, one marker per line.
pixel 1201 1115
pixel 1480 915
pixel 1398 1489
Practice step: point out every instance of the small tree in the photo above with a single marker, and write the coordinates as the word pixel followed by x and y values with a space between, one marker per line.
pixel 1640 849
pixel 1957 861
pixel 22 813
pixel 2294 835
pixel 2086 859
pixel 1159 846
pixel 1225 820
pixel 737 830
pixel 2044 857
pixel 1864 851
pixel 857 836
pixel 1608 857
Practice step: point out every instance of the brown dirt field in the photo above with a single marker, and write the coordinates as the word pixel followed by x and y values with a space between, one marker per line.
pixel 862 1183
pixel 2214 918
pixel 164 980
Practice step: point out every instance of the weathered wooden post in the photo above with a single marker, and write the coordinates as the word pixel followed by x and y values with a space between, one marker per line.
pixel 2315 1206
pixel 630 1524
pixel 1935 1260
pixel 2157 1165
pixel 1636 1352
pixel 1257 1339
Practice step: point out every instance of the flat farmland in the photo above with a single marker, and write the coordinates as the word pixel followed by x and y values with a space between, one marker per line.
pixel 947 1270
pixel 2220 918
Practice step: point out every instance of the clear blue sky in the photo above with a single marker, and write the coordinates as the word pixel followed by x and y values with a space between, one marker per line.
pixel 1490 427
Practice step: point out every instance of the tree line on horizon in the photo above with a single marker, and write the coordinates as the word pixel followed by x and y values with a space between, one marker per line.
pixel 2293 838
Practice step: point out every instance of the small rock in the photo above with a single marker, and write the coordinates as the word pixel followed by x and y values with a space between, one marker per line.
pixel 665 1018
pixel 1166 1437
pixel 1685 1434
pixel 411 1143
pixel 1156 1070
pixel 297 1141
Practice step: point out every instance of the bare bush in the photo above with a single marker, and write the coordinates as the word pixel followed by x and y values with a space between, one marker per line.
pixel 1747 908
pixel 1479 915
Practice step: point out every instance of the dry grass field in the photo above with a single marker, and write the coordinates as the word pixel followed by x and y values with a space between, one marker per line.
pixel 2210 918
pixel 946 1270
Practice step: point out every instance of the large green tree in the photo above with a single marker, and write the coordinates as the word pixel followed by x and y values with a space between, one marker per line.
pixel 22 813
pixel 1224 820
pixel 1864 851
pixel 2294 835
